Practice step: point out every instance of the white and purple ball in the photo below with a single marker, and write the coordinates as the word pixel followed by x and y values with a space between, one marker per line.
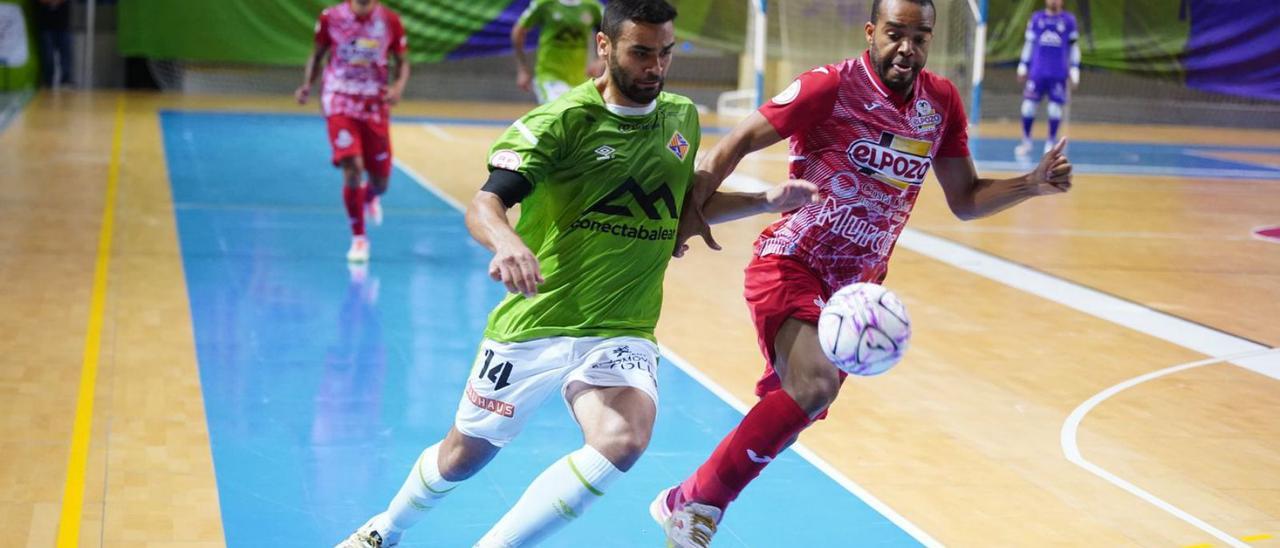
pixel 864 329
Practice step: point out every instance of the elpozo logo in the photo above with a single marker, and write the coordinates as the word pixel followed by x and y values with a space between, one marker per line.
pixel 926 119
pixel 895 160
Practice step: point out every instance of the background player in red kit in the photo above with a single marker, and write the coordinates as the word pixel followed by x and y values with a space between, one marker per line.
pixel 865 131
pixel 359 36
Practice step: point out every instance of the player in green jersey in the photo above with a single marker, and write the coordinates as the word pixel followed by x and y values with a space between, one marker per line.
pixel 566 27
pixel 600 175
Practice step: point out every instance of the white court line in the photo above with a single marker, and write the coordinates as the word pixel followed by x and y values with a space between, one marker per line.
pixel 800 449
pixel 1071 447
pixel 1172 329
pixel 983 229
pixel 422 182
pixel 806 453
pixel 439 133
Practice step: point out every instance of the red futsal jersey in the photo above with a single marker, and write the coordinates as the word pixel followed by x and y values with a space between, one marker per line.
pixel 355 80
pixel 868 150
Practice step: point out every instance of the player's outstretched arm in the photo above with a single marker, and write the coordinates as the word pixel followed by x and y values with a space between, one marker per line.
pixel 513 263
pixel 704 205
pixel 971 197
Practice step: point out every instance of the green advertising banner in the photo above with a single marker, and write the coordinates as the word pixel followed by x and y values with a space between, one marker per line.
pixel 1136 36
pixel 279 32
pixel 19 63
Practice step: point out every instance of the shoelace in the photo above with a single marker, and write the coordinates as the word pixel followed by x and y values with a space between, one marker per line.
pixel 372 540
pixel 702 535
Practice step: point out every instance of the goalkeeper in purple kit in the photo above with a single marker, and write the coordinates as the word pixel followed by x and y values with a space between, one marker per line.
pixel 1050 57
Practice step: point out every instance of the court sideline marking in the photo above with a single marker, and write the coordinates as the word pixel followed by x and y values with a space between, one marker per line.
pixel 73 492
pixel 1071 447
pixel 800 449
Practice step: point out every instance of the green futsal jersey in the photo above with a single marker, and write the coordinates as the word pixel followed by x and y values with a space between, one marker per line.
pixel 565 28
pixel 602 215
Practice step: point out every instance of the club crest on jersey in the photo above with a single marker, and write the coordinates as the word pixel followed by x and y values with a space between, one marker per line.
pixel 926 119
pixel 678 145
pixel 895 160
pixel 506 159
pixel 788 95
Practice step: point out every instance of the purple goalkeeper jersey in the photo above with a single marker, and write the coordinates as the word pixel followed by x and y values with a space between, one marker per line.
pixel 1051 37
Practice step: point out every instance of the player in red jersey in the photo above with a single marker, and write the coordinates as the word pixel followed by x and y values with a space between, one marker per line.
pixel 359 36
pixel 865 131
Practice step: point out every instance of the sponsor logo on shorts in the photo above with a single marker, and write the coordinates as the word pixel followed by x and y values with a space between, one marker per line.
pixel 497 407
pixel 623 359
pixel 344 139
pixel 506 159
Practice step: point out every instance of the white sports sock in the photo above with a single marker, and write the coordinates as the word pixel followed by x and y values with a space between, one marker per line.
pixel 561 493
pixel 421 491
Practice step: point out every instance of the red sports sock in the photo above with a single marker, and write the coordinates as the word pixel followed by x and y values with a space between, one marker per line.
pixel 764 432
pixel 354 197
pixel 371 192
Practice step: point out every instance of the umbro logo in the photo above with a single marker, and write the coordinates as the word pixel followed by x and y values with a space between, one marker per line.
pixel 604 153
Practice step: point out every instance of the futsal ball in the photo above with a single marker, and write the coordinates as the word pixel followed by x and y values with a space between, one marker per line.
pixel 864 329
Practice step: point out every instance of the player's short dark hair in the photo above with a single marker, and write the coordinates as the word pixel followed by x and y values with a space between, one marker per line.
pixel 875 8
pixel 618 12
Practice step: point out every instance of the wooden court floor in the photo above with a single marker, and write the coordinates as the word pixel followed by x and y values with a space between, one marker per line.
pixel 102 430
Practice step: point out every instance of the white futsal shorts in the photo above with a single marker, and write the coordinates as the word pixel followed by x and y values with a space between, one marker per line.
pixel 549 90
pixel 509 381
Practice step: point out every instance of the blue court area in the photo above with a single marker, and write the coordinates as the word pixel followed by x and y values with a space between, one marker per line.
pixel 1104 158
pixel 321 386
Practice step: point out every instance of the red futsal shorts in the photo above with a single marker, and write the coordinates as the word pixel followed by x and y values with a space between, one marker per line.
pixel 352 137
pixel 780 287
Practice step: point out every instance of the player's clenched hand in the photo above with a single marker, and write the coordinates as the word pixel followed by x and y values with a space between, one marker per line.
pixel 692 220
pixel 516 267
pixel 1053 175
pixel 790 195
pixel 524 80
pixel 393 95
pixel 692 223
pixel 302 93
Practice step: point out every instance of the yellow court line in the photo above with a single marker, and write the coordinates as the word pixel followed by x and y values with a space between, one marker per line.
pixel 73 493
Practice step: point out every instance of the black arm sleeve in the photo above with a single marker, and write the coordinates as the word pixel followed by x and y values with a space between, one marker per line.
pixel 509 186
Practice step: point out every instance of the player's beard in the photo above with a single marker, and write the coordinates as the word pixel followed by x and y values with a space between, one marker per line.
pixel 630 86
pixel 885 69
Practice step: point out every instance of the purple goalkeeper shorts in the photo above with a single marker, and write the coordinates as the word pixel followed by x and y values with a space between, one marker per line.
pixel 1037 89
